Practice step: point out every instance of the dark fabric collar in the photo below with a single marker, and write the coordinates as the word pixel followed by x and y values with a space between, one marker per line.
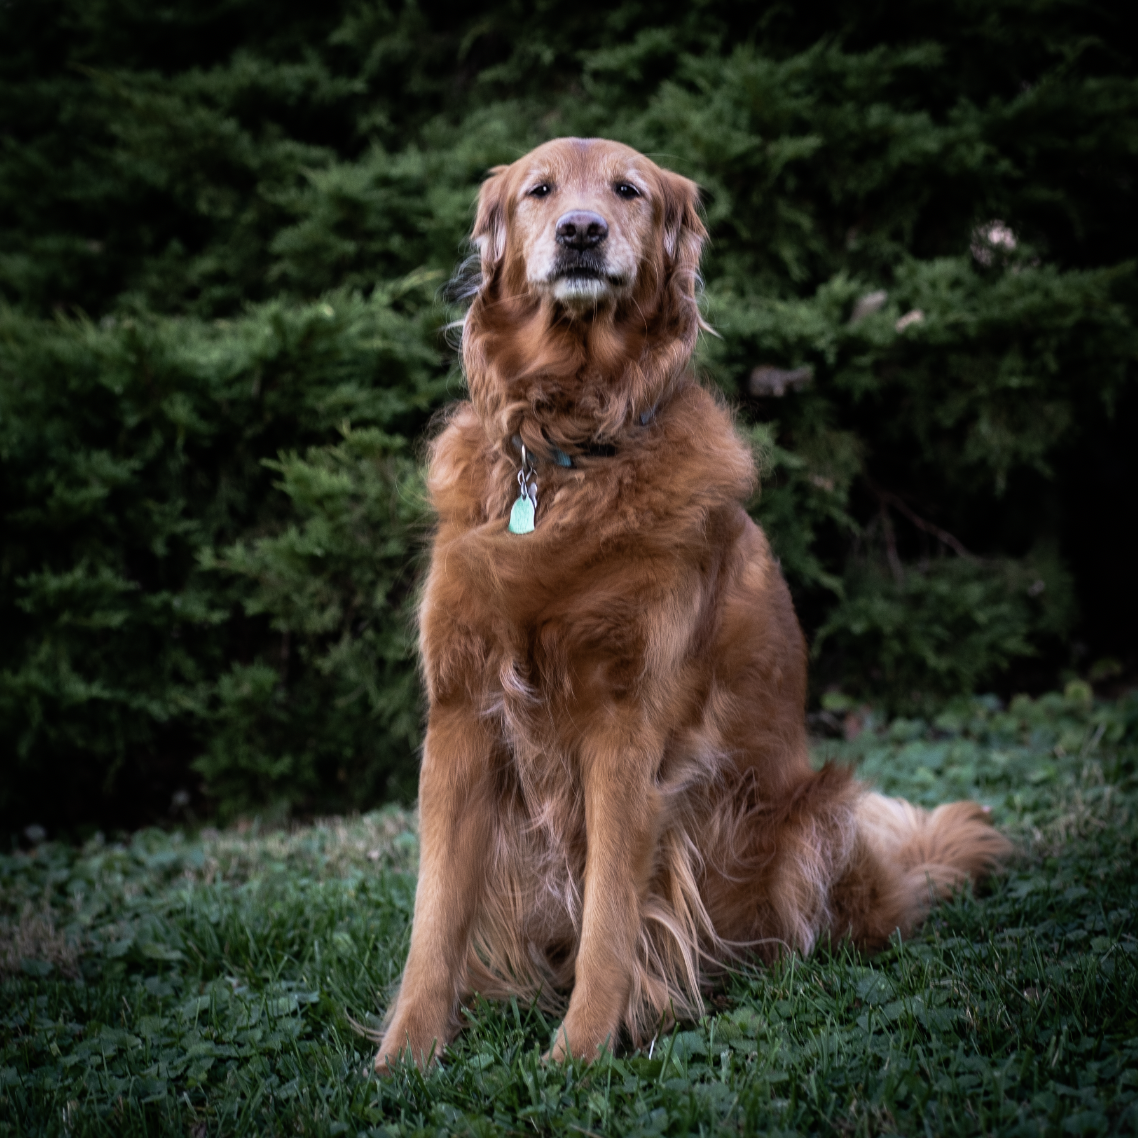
pixel 592 450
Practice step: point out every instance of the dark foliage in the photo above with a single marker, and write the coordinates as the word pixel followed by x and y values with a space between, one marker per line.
pixel 180 596
pixel 922 210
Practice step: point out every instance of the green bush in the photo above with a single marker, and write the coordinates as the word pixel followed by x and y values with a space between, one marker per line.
pixel 152 583
pixel 947 625
pixel 340 710
pixel 922 211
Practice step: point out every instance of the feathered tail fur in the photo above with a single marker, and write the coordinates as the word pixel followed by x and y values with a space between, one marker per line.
pixel 926 855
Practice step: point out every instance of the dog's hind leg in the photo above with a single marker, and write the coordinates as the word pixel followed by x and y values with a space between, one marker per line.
pixel 457 812
pixel 831 859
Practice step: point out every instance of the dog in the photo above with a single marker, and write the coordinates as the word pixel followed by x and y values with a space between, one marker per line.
pixel 616 796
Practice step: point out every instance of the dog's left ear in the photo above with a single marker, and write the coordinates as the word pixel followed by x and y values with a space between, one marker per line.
pixel 490 222
pixel 684 231
pixel 684 237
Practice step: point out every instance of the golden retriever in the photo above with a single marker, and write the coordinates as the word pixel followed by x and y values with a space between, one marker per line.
pixel 616 796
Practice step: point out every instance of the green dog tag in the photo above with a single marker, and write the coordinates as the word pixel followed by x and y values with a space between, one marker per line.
pixel 521 516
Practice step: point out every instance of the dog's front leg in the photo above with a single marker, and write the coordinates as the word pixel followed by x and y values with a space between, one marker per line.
pixel 456 812
pixel 618 767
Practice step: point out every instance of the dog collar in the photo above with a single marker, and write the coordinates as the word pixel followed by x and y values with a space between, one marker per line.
pixel 524 510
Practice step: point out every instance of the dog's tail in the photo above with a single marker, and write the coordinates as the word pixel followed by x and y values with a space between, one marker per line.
pixel 921 857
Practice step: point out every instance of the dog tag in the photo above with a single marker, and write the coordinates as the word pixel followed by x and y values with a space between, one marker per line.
pixel 521 516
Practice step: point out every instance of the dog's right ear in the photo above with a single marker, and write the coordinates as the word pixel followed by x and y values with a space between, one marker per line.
pixel 489 234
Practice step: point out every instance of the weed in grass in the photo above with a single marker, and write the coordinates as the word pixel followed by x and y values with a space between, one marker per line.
pixel 208 985
pixel 33 943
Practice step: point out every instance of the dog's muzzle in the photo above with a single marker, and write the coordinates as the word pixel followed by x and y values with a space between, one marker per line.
pixel 580 236
pixel 581 272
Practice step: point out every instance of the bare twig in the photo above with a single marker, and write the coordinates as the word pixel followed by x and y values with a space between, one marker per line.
pixel 891 545
pixel 888 498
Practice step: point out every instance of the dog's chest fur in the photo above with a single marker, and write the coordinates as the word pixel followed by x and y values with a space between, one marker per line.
pixel 611 598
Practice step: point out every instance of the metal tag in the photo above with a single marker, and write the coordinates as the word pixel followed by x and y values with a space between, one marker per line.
pixel 521 516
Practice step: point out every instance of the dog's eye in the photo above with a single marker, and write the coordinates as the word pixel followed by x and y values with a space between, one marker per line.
pixel 541 191
pixel 626 190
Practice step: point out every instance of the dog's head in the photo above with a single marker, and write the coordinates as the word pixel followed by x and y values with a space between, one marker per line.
pixel 586 223
pixel 585 311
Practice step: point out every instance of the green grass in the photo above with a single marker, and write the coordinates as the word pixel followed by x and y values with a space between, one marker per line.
pixel 208 985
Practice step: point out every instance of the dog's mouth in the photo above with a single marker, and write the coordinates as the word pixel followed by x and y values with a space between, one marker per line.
pixel 584 276
pixel 580 266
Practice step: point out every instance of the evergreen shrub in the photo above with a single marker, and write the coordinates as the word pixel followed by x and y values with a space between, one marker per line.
pixel 178 595
pixel 222 235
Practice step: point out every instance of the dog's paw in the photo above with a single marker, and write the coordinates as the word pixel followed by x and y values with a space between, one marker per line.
pixel 586 1045
pixel 423 1047
pixel 559 1050
pixel 388 1059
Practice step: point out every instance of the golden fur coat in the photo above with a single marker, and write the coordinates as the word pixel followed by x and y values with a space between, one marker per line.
pixel 616 794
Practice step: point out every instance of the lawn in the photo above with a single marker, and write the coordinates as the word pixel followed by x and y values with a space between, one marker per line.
pixel 214 983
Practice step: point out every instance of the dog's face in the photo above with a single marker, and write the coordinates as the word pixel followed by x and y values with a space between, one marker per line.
pixel 583 222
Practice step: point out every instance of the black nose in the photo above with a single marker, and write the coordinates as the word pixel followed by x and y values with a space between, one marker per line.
pixel 581 229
